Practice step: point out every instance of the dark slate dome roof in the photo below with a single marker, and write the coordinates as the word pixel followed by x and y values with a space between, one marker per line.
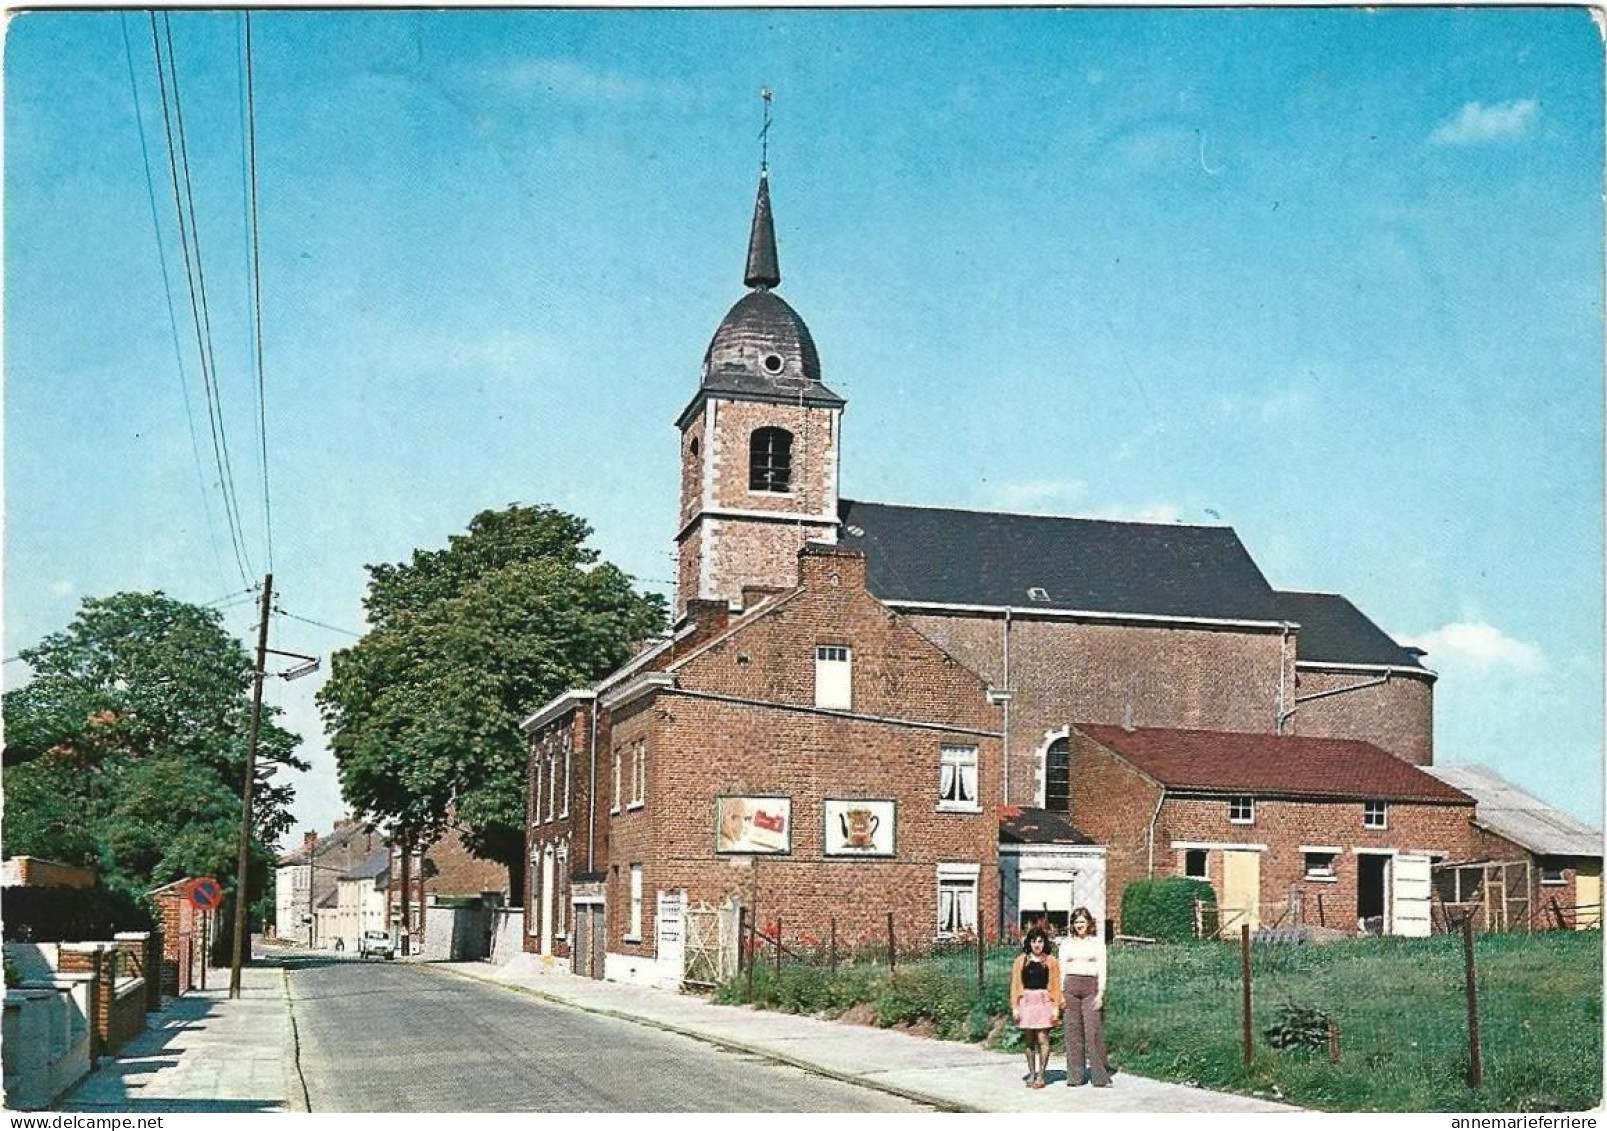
pixel 762 345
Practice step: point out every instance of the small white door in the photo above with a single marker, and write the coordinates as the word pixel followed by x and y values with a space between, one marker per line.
pixel 1409 897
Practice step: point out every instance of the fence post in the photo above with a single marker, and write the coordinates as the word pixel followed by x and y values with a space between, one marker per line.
pixel 778 944
pixel 1322 920
pixel 1333 1042
pixel 831 955
pixel 1556 913
pixel 1244 974
pixel 1199 919
pixel 753 956
pixel 1475 1054
pixel 980 949
pixel 892 950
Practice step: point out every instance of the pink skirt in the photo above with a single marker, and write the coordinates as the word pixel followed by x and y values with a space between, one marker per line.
pixel 1037 1011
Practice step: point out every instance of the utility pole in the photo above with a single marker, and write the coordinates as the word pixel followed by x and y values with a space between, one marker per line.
pixel 246 789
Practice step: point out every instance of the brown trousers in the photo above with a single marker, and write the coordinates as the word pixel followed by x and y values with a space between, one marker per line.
pixel 1084 1030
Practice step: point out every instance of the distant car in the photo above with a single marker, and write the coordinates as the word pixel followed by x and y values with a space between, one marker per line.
pixel 376 944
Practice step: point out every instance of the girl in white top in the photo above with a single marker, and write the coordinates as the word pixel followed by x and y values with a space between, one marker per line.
pixel 1082 964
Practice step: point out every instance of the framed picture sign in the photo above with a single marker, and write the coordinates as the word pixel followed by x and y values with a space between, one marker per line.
pixel 857 827
pixel 757 825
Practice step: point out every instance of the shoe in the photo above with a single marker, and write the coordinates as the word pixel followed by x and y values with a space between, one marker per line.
pixel 1038 1083
pixel 1101 1083
pixel 1076 1083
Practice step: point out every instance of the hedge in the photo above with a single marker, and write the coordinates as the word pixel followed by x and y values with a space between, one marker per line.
pixel 61 914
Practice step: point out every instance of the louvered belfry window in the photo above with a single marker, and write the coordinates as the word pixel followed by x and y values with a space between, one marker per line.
pixel 770 460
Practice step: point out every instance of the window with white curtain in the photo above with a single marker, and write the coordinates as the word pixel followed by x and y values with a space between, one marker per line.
pixel 956 782
pixel 635 934
pixel 956 898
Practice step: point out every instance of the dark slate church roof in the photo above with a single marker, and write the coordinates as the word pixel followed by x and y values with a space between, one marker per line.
pixel 1334 631
pixel 924 554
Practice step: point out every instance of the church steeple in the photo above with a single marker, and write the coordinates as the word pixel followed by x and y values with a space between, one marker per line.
pixel 764 269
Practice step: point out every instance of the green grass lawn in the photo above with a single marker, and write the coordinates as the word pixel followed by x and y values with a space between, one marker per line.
pixel 1173 1012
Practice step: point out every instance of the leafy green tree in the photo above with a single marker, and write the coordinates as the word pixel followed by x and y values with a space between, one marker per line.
pixel 126 749
pixel 423 712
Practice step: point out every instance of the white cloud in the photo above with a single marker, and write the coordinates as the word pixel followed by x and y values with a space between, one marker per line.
pixel 1476 122
pixel 1477 646
pixel 1151 512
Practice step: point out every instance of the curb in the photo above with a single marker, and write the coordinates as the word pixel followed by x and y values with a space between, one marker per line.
pixel 295 1085
pixel 914 1096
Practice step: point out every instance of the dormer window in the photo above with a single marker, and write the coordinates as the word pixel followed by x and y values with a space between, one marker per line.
pixel 770 460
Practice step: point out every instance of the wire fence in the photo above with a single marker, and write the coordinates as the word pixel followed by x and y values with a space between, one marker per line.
pixel 1458 1021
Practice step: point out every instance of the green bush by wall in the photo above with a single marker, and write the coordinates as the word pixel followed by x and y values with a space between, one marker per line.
pixel 1163 908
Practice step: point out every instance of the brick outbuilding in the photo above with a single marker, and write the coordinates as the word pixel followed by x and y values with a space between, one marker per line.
pixel 1329 831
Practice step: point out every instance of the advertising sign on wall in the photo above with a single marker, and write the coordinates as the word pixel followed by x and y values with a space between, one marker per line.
pixel 860 828
pixel 753 824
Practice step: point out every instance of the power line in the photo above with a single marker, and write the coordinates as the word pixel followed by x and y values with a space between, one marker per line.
pixel 195 278
pixel 167 289
pixel 317 623
pixel 256 293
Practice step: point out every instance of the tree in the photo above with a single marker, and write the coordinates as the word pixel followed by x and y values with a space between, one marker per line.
pixel 126 749
pixel 423 712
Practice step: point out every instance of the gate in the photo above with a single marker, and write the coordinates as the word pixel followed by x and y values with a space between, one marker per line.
pixel 711 938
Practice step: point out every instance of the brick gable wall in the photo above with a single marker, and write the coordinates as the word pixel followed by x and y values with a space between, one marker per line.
pixel 1397 716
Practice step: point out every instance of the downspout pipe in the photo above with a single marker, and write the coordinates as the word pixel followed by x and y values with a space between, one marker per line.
pixel 1007 616
pixel 591 793
pixel 1302 700
pixel 1150 836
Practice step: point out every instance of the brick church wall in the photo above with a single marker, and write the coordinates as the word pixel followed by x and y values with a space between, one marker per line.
pixel 1397 716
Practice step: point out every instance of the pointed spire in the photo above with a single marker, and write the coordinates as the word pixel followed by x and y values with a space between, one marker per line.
pixel 764 269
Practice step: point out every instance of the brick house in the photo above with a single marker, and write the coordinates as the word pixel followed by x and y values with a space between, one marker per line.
pixel 1330 831
pixel 1051 619
pixel 444 870
pixel 1562 854
pixel 812 759
pixel 305 878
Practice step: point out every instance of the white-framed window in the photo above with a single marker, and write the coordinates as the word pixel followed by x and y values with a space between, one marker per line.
pixel 956 780
pixel 552 786
pixel 1551 872
pixel 638 773
pixel 535 792
pixel 635 932
pixel 1320 865
pixel 1241 810
pixel 1375 815
pixel 619 783
pixel 568 745
pixel 1194 862
pixel 834 677
pixel 956 898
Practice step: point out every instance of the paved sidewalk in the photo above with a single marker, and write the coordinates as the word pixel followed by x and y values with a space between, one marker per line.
pixel 945 1074
pixel 205 1052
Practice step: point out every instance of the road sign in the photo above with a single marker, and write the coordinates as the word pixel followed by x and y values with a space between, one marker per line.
pixel 204 893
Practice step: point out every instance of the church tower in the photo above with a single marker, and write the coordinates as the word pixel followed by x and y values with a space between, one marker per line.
pixel 759 452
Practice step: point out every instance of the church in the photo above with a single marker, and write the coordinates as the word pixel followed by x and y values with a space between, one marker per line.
pixel 942 720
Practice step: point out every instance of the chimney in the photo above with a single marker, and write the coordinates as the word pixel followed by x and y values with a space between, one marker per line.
pixel 309 841
pixel 707 618
pixel 823 565
pixel 753 594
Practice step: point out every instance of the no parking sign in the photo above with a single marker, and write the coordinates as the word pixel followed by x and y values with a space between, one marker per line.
pixel 204 893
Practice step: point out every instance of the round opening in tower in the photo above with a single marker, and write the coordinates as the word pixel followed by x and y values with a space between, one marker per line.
pixel 773 363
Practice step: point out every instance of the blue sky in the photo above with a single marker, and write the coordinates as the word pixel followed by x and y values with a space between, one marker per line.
pixel 1333 277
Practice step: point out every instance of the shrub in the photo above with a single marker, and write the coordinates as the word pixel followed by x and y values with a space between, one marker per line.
pixel 1163 908
pixel 55 914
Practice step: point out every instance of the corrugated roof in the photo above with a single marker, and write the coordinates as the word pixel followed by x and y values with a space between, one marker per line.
pixel 1272 765
pixel 1040 562
pixel 1333 630
pixel 1521 817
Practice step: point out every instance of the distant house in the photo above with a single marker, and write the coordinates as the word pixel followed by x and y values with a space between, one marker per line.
pixel 360 898
pixel 1325 830
pixel 1562 853
pixel 305 879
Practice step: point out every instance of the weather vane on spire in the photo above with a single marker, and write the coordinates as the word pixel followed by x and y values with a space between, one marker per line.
pixel 764 134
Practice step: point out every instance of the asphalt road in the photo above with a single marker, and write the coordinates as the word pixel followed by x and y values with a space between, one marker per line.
pixel 395 1037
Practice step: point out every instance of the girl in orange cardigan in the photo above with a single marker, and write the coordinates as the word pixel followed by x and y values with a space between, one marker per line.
pixel 1035 1000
